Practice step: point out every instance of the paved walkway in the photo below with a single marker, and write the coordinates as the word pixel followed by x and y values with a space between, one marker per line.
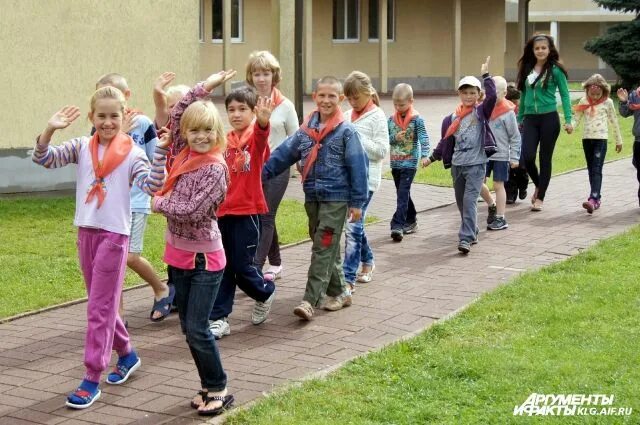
pixel 416 282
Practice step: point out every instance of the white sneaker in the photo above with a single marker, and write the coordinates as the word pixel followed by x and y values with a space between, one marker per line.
pixel 337 303
pixel 219 328
pixel 261 310
pixel 273 273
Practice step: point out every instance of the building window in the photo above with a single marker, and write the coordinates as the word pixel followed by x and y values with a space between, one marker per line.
pixel 346 20
pixel 374 19
pixel 218 19
pixel 201 23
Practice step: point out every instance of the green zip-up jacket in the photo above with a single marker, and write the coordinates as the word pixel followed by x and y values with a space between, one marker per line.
pixel 542 100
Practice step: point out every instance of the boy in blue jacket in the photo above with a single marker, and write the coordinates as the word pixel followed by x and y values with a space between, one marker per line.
pixel 334 178
pixel 466 144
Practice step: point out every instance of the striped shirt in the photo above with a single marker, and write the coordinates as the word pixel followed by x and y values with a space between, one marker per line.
pixel 115 213
pixel 406 153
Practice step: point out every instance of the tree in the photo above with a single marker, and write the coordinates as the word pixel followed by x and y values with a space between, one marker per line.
pixel 620 46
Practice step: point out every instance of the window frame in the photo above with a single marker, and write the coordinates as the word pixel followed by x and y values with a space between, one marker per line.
pixel 240 38
pixel 358 20
pixel 393 22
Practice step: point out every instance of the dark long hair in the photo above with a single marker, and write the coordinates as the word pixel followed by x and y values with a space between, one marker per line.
pixel 528 61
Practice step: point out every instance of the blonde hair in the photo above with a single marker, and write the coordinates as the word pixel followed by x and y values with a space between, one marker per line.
pixel 178 91
pixel 501 86
pixel 359 83
pixel 263 60
pixel 597 80
pixel 113 80
pixel 108 92
pixel 203 114
pixel 402 91
pixel 331 80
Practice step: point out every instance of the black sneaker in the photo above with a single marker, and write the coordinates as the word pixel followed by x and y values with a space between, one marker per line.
pixel 498 224
pixel 464 247
pixel 396 235
pixel 522 193
pixel 493 210
pixel 410 228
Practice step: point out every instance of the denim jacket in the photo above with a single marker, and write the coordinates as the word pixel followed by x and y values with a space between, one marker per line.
pixel 341 168
pixel 444 150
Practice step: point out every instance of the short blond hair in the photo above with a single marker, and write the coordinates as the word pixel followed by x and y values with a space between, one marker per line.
pixel 114 80
pixel 330 80
pixel 263 60
pixel 107 92
pixel 402 91
pixel 501 86
pixel 204 114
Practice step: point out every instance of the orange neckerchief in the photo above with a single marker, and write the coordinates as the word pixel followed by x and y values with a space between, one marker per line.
pixel 335 120
pixel 502 107
pixel 355 115
pixel 590 105
pixel 635 106
pixel 239 143
pixel 115 152
pixel 401 122
pixel 188 161
pixel 276 97
pixel 461 112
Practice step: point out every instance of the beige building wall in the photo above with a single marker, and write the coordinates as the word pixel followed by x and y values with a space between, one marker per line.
pixel 54 51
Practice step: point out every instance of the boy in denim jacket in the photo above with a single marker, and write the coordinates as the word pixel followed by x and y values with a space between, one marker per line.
pixel 334 178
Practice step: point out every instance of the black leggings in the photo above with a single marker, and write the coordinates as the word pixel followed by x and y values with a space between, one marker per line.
pixel 543 130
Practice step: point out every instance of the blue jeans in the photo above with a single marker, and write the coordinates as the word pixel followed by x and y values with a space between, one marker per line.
pixel 594 152
pixel 196 291
pixel 356 247
pixel 405 210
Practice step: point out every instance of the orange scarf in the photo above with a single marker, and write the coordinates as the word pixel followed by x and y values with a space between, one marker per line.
pixel 401 122
pixel 461 112
pixel 188 161
pixel 502 107
pixel 238 143
pixel 591 105
pixel 355 115
pixel 115 152
pixel 334 121
pixel 276 97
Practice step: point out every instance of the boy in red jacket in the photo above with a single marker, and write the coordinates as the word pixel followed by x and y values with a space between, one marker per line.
pixel 238 216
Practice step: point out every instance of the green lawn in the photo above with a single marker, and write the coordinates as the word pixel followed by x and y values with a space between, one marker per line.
pixel 568 155
pixel 39 258
pixel 571 328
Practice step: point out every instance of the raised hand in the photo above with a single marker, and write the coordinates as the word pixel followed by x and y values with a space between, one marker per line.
pixel 263 110
pixel 623 95
pixel 214 80
pixel 163 81
pixel 129 121
pixel 64 117
pixel 484 69
pixel 165 140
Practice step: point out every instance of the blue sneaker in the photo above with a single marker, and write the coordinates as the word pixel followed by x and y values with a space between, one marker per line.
pixel 84 396
pixel 124 368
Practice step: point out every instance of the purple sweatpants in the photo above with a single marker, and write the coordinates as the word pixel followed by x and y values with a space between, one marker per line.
pixel 103 260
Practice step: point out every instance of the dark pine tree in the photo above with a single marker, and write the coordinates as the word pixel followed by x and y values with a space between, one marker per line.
pixel 620 46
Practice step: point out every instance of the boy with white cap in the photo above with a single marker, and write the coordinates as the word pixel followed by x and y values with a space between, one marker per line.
pixel 466 144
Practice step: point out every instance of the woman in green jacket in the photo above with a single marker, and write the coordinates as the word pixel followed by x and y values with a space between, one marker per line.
pixel 540 75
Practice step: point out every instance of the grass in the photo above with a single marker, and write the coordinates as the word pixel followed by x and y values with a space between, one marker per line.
pixel 568 155
pixel 570 328
pixel 39 257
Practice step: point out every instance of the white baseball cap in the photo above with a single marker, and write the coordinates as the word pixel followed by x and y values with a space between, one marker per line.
pixel 470 81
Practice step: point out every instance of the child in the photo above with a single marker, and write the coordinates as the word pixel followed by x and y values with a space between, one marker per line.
pixel 597 109
pixel 247 149
pixel 334 178
pixel 409 145
pixel 630 105
pixel 108 163
pixel 143 134
pixel 466 143
pixel 369 121
pixel 264 74
pixel 516 186
pixel 195 187
pixel 504 126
